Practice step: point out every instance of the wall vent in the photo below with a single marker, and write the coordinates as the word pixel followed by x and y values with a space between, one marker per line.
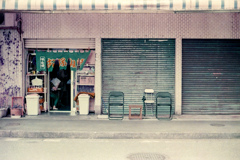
pixel 2 19
pixel 7 19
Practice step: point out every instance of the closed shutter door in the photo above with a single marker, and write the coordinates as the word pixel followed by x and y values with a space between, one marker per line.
pixel 133 65
pixel 82 43
pixel 211 76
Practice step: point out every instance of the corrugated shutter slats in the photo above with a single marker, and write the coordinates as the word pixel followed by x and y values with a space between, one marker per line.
pixel 133 65
pixel 211 76
pixel 38 43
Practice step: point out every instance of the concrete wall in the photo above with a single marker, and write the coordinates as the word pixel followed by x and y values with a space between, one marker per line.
pixel 142 25
pixel 10 66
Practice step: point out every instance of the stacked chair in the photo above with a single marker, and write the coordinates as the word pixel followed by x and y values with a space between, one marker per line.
pixel 148 101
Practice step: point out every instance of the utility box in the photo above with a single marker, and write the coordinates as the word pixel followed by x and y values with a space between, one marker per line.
pixel 83 102
pixel 32 104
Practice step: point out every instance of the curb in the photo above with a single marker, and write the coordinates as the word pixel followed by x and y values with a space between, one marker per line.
pixel 116 135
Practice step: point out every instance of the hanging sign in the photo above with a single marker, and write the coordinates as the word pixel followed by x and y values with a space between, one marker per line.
pixel 41 60
pixel 46 60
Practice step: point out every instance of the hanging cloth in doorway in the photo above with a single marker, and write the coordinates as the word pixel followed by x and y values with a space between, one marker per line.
pixel 62 58
pixel 83 58
pixel 78 59
pixel 46 60
pixel 51 58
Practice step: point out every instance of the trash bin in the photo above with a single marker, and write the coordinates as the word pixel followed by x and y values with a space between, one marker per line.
pixel 32 104
pixel 83 102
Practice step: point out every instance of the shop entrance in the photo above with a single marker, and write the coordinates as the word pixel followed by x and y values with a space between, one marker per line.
pixel 60 88
pixel 66 97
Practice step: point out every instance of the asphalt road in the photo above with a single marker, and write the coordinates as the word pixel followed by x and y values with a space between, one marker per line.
pixel 119 149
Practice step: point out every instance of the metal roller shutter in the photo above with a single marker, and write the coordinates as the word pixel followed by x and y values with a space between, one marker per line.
pixel 211 76
pixel 133 65
pixel 38 43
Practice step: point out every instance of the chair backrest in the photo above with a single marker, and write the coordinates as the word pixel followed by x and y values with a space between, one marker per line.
pixel 116 94
pixel 116 98
pixel 149 95
pixel 164 95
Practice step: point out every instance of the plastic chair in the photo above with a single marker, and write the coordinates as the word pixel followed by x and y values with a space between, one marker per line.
pixel 115 99
pixel 166 100
pixel 148 100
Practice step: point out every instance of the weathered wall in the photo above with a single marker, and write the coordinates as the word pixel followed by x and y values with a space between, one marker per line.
pixel 10 66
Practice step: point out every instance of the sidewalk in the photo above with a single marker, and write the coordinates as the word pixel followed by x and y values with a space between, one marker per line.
pixel 99 127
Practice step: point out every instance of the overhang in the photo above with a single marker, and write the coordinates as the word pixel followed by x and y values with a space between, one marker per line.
pixel 60 6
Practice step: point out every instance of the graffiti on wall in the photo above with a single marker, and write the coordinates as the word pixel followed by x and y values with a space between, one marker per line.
pixel 10 66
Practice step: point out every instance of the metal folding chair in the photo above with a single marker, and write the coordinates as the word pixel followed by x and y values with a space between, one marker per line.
pixel 148 101
pixel 163 99
pixel 116 105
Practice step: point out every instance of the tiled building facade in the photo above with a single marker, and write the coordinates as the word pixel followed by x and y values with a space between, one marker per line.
pixel 176 26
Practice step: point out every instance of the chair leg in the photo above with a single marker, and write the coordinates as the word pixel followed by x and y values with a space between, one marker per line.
pixel 156 111
pixel 170 111
pixel 118 117
pixel 144 110
pixel 108 112
pixel 123 112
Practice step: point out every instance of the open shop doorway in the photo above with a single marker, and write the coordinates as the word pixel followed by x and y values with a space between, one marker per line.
pixel 60 88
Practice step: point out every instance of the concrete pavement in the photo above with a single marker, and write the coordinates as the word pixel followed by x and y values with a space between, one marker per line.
pixel 60 125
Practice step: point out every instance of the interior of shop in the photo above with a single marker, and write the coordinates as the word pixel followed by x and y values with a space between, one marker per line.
pixel 62 92
pixel 61 95
pixel 54 87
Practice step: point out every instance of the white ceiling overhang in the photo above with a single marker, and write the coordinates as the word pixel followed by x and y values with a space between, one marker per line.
pixel 119 5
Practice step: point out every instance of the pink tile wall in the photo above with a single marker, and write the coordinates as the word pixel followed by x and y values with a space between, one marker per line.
pixel 162 25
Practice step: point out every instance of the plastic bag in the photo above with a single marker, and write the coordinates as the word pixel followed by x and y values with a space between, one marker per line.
pixel 55 82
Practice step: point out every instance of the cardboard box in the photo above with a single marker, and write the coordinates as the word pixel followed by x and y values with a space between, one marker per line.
pixel 87 80
pixel 91 80
pixel 16 112
pixel 82 80
pixel 35 89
